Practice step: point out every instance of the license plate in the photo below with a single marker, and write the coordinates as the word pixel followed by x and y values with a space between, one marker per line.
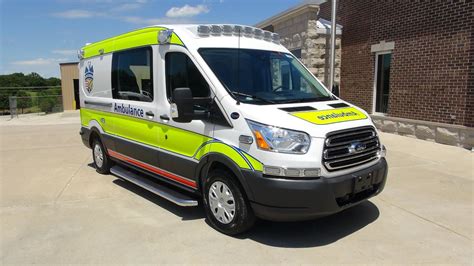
pixel 363 182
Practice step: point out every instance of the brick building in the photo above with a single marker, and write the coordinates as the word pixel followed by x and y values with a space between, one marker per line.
pixel 410 64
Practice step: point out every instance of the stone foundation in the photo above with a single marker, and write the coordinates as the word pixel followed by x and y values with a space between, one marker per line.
pixel 448 134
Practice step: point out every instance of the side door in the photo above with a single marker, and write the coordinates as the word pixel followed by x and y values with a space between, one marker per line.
pixel 136 131
pixel 181 141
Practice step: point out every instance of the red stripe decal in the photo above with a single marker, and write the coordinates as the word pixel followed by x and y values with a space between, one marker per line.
pixel 153 169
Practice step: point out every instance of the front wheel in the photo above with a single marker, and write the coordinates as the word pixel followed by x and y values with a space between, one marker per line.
pixel 227 209
pixel 101 159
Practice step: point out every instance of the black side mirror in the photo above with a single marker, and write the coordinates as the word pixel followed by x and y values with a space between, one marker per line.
pixel 182 108
pixel 335 90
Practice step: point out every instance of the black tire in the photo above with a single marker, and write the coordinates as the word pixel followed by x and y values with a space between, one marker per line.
pixel 104 167
pixel 243 218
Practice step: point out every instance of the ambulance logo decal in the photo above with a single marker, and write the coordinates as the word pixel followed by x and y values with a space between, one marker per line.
pixel 89 77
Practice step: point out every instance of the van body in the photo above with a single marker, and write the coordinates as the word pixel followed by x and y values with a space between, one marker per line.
pixel 226 114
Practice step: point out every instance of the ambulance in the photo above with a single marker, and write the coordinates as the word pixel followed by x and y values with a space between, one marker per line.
pixel 225 117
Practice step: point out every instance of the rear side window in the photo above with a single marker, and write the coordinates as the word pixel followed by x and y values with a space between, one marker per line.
pixel 182 73
pixel 132 75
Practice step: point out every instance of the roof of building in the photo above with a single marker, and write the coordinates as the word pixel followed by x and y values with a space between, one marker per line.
pixel 292 10
pixel 68 63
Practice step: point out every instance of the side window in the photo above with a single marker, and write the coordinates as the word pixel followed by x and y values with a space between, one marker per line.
pixel 182 73
pixel 132 75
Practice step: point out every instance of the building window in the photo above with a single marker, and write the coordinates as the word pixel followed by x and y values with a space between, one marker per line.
pixel 296 53
pixel 132 75
pixel 182 73
pixel 382 82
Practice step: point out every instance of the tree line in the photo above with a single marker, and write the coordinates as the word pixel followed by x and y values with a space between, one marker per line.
pixel 34 92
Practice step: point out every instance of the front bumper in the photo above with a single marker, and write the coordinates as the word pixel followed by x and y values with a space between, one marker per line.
pixel 278 199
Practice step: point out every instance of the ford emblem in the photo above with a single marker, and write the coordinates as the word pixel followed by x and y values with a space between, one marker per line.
pixel 356 147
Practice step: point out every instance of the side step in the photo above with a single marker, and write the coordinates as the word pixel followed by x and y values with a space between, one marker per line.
pixel 160 190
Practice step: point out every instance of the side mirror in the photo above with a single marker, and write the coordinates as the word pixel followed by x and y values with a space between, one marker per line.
pixel 335 90
pixel 182 108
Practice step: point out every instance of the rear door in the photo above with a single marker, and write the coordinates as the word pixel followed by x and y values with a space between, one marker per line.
pixel 136 131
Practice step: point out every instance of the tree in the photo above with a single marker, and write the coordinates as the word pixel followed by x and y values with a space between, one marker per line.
pixel 48 100
pixel 24 100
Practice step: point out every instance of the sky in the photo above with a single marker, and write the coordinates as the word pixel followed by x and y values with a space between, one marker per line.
pixel 37 35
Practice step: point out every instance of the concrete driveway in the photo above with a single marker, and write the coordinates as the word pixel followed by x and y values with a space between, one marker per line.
pixel 55 208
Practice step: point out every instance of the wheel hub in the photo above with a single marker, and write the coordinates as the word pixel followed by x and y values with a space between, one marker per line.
pixel 221 202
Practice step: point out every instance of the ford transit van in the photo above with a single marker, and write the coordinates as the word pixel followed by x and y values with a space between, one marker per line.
pixel 226 117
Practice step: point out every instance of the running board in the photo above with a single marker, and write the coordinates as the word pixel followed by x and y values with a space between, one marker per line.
pixel 160 190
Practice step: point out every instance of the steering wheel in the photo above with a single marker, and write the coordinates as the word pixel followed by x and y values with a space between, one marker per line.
pixel 277 88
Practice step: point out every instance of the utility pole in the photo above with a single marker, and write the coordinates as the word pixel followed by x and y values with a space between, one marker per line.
pixel 333 45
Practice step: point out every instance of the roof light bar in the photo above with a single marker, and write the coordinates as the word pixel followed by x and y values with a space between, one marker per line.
pixel 164 36
pixel 204 30
pixel 216 30
pixel 80 54
pixel 229 30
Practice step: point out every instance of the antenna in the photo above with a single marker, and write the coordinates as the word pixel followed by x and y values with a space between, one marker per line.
pixel 238 67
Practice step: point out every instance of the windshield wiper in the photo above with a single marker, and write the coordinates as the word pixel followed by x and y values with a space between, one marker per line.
pixel 236 93
pixel 315 99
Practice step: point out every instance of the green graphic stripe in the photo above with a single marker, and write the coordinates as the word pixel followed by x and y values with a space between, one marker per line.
pixel 166 137
pixel 256 164
pixel 137 38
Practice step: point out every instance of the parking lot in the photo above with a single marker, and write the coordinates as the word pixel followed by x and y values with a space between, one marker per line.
pixel 55 208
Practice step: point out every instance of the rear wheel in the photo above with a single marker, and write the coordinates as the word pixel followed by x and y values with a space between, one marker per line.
pixel 227 208
pixel 101 159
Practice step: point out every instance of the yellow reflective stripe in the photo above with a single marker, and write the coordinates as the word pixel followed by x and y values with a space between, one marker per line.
pixel 168 138
pixel 88 115
pixel 325 117
pixel 137 38
pixel 256 164
pixel 147 132
pixel 222 148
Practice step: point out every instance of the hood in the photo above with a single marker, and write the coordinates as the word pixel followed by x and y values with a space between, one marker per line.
pixel 315 118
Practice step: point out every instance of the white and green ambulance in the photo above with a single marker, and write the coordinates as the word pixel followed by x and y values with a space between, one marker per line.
pixel 226 116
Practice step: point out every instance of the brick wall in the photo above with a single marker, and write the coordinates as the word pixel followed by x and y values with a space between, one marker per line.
pixel 432 68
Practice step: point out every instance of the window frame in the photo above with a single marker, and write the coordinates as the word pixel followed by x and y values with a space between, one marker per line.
pixel 374 92
pixel 189 57
pixel 114 78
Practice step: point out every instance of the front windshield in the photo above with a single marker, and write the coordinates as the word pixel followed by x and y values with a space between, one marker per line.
pixel 263 77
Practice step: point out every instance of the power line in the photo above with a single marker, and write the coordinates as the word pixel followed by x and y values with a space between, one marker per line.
pixel 30 87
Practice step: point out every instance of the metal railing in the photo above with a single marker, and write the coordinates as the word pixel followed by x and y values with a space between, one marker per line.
pixel 39 104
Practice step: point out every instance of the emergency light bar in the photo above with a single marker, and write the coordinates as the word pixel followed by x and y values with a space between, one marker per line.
pixel 236 30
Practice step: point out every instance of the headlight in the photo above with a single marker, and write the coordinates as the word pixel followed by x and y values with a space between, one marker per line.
pixel 277 139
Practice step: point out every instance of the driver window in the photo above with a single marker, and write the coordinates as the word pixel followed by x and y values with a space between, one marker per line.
pixel 182 73
pixel 132 75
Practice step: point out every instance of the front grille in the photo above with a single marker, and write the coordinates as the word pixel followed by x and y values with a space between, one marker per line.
pixel 348 148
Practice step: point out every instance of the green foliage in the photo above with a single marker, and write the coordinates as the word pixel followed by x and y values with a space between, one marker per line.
pixel 24 100
pixel 29 80
pixel 49 100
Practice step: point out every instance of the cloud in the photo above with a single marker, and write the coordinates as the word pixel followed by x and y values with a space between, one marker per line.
pixel 106 11
pixel 141 20
pixel 38 61
pixel 46 67
pixel 155 21
pixel 76 13
pixel 65 52
pixel 186 11
pixel 127 7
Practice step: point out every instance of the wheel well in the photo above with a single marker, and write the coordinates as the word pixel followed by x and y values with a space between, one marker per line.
pixel 94 135
pixel 220 165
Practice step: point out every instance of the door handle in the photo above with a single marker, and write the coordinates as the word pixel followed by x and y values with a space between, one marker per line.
pixel 150 114
pixel 164 117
